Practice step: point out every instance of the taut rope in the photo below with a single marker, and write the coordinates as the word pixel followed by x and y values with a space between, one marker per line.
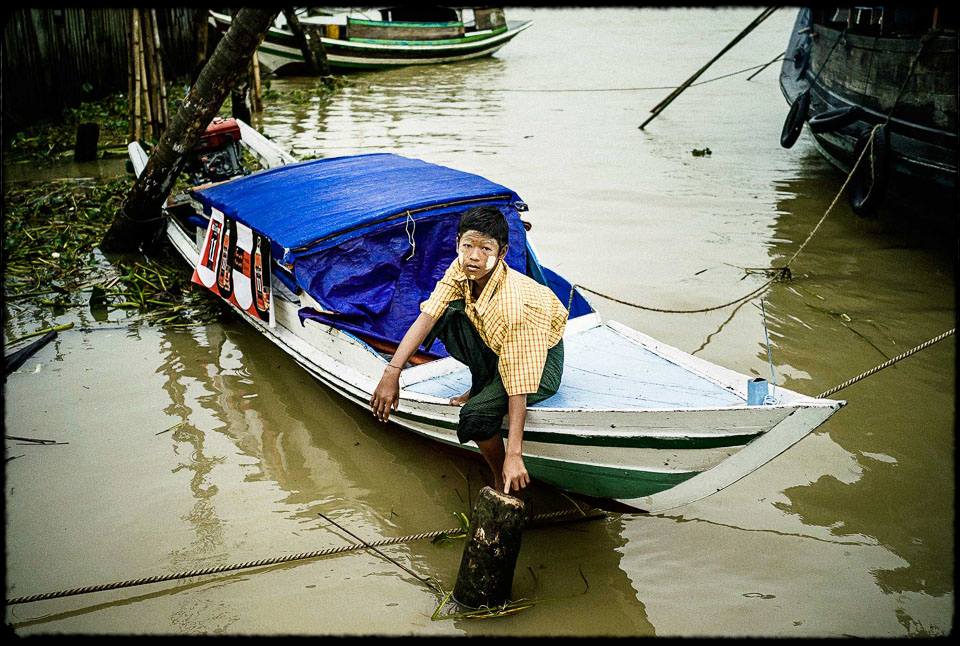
pixel 275 560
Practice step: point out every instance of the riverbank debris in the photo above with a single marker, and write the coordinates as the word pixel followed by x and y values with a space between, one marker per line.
pixel 30 440
pixel 14 360
pixel 51 233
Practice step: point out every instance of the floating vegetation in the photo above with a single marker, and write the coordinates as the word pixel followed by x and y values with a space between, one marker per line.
pixel 50 256
pixel 322 89
pixel 446 537
pixel 50 141
pixel 484 612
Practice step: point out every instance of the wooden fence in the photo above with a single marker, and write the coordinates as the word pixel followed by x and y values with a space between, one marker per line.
pixel 56 58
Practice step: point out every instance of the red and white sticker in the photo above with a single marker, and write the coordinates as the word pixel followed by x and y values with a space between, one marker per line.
pixel 234 264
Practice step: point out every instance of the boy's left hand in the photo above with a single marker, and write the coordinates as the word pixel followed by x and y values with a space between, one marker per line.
pixel 514 474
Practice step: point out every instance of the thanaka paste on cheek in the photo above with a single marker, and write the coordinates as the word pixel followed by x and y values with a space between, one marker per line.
pixel 491 261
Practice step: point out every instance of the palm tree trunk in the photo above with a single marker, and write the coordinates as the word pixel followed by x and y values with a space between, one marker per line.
pixel 140 216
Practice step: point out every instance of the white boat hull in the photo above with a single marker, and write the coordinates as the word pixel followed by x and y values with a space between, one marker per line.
pixel 645 424
pixel 651 460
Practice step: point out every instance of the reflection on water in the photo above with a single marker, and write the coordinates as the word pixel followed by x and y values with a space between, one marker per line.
pixel 386 111
pixel 329 457
pixel 852 306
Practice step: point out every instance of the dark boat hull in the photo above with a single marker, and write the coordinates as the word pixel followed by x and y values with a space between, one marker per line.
pixel 279 52
pixel 842 70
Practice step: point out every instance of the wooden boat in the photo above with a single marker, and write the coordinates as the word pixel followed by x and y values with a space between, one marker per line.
pixel 358 241
pixel 403 36
pixel 846 68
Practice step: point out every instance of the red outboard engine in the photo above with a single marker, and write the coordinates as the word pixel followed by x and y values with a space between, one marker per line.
pixel 216 156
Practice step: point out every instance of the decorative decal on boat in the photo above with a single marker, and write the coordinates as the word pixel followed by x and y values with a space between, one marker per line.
pixel 234 264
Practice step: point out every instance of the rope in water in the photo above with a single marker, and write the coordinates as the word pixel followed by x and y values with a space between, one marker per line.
pixel 784 271
pixel 638 89
pixel 551 516
pixel 780 271
pixel 885 364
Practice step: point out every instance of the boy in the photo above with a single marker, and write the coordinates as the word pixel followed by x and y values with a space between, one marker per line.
pixel 506 327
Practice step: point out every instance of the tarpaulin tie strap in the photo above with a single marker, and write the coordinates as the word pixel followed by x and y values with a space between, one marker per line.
pixel 410 233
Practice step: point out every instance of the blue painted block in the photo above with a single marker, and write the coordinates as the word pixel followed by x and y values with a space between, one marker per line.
pixel 756 391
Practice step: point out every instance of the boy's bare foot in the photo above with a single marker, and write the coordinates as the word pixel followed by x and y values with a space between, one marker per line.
pixel 460 400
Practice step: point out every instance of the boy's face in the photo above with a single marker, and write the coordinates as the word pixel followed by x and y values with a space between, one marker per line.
pixel 478 254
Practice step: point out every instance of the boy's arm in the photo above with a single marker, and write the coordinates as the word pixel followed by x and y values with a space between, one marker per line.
pixel 387 393
pixel 514 472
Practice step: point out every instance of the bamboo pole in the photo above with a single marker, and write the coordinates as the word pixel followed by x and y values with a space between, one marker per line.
pixel 164 108
pixel 256 97
pixel 150 60
pixel 140 215
pixel 145 88
pixel 130 126
pixel 135 33
pixel 660 107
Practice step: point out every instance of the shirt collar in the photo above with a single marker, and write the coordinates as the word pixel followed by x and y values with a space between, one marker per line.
pixel 493 285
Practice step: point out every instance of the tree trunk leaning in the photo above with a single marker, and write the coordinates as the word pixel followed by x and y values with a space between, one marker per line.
pixel 313 35
pixel 307 45
pixel 490 555
pixel 140 214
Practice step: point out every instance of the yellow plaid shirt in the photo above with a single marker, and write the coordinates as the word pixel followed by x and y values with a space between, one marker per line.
pixel 517 317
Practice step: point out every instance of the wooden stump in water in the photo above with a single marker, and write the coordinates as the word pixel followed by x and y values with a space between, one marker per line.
pixel 88 134
pixel 490 555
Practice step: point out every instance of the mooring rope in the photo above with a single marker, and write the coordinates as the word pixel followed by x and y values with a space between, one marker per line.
pixel 885 364
pixel 668 311
pixel 541 518
pixel 784 270
pixel 642 88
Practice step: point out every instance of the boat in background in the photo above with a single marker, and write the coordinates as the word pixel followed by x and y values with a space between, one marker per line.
pixel 399 36
pixel 847 68
pixel 352 246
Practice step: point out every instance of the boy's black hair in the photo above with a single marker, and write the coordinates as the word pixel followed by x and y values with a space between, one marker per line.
pixel 487 220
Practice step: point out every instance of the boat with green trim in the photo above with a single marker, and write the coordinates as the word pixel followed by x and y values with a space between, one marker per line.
pixel 355 243
pixel 398 36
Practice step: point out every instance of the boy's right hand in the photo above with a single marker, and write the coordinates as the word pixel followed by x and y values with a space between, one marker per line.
pixel 386 395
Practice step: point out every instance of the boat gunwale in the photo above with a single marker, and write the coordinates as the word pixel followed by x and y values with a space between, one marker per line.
pixel 412 397
pixel 514 27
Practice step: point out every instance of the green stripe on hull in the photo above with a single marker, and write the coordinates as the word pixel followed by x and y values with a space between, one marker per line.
pixel 602 482
pixel 266 49
pixel 643 442
pixel 446 41
pixel 586 479
pixel 358 65
pixel 401 23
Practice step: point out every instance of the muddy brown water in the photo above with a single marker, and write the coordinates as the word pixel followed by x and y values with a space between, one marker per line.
pixel 850 532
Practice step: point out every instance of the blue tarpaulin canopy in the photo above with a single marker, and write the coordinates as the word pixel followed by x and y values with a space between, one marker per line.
pixel 368 236
pixel 312 205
